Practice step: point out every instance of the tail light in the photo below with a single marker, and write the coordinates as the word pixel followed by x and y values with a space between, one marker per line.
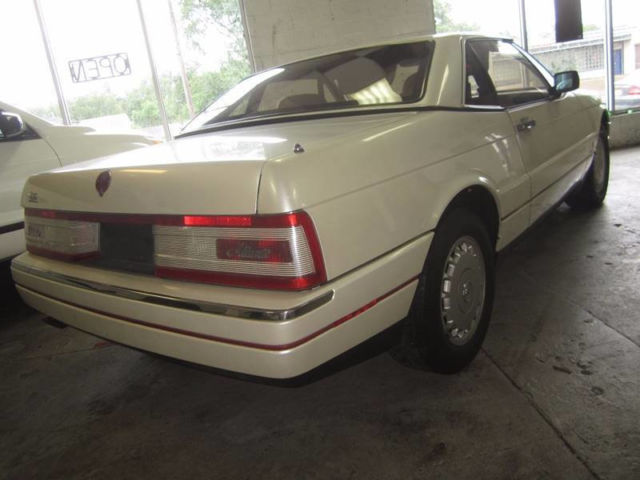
pixel 258 251
pixel 261 251
pixel 61 239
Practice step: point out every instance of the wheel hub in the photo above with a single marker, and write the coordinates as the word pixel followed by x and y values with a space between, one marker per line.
pixel 463 290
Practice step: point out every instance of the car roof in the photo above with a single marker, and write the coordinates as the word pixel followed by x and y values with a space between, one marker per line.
pixel 437 37
pixel 446 64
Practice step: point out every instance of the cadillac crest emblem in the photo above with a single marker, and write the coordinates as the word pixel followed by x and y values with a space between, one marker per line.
pixel 103 181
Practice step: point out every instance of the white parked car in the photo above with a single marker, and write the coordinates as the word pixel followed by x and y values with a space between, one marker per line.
pixel 315 205
pixel 28 145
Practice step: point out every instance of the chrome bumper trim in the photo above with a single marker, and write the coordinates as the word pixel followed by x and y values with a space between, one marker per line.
pixel 168 301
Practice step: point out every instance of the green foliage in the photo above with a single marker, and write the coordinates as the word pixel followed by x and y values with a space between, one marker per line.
pixel 208 86
pixel 142 107
pixel 444 22
pixel 92 106
pixel 201 15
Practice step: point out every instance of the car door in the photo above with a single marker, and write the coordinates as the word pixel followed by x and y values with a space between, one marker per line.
pixel 551 132
pixel 20 157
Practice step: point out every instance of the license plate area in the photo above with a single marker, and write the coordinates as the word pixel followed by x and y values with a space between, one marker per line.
pixel 127 247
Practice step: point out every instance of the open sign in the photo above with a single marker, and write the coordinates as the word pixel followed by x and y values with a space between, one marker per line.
pixel 99 68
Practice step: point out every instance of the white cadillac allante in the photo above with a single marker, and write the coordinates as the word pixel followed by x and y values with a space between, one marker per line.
pixel 315 205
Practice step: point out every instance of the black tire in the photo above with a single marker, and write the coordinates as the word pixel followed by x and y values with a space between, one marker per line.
pixel 591 191
pixel 428 332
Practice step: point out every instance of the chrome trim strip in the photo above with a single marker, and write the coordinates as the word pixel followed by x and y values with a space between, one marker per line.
pixel 175 302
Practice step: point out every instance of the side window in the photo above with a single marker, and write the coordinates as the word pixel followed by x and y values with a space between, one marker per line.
pixel 502 75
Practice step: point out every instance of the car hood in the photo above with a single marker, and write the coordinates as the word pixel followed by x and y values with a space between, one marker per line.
pixel 214 173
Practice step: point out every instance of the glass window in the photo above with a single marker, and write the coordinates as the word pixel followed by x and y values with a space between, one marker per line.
pixel 367 77
pixel 26 81
pixel 498 74
pixel 585 55
pixel 200 41
pixel 626 55
pixel 102 64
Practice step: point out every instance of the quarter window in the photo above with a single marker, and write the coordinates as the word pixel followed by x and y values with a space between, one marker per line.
pixel 498 74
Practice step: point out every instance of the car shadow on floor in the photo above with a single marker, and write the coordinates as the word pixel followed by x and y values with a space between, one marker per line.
pixel 12 308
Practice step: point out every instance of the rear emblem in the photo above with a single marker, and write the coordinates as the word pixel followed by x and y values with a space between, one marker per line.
pixel 103 181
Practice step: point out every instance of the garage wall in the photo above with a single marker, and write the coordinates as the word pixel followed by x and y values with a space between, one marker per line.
pixel 281 31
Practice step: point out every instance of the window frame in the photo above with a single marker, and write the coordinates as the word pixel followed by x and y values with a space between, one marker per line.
pixel 534 64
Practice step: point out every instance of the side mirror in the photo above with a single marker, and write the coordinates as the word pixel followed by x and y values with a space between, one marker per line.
pixel 565 82
pixel 11 125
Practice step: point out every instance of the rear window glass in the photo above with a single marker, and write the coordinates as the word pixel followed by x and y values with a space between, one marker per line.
pixel 392 74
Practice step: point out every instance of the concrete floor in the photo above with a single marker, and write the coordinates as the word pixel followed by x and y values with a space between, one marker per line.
pixel 555 393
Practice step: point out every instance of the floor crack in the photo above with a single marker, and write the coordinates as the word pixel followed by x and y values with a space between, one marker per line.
pixel 544 417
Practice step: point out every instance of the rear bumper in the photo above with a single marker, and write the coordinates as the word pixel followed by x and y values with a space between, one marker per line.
pixel 269 334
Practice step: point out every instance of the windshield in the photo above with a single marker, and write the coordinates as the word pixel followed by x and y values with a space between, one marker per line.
pixel 386 75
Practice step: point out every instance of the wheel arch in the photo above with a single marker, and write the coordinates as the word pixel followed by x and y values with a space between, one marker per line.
pixel 482 202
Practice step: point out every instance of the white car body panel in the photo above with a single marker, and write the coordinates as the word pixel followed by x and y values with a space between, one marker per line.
pixel 19 161
pixel 374 184
pixel 56 146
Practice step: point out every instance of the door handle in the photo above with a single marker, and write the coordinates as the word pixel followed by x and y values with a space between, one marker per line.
pixel 525 125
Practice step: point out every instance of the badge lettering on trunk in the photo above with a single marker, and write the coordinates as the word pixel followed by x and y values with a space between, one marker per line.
pixel 103 181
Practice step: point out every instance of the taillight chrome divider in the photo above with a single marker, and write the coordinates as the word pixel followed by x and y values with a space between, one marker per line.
pixel 279 251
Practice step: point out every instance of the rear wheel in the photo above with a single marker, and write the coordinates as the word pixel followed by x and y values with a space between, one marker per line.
pixel 454 298
pixel 591 192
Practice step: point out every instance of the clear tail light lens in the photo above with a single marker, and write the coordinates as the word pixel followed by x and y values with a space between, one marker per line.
pixel 62 239
pixel 261 251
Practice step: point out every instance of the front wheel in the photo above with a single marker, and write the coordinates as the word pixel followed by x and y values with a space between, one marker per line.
pixel 591 192
pixel 454 298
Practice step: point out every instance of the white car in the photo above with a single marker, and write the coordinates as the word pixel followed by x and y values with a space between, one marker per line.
pixel 317 204
pixel 29 145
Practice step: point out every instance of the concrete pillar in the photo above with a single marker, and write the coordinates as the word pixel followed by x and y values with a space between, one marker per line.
pixel 281 31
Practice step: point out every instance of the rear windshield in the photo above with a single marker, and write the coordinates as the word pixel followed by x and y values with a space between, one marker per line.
pixel 386 75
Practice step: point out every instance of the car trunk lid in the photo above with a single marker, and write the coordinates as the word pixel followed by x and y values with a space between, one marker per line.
pixel 218 174
pixel 215 173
